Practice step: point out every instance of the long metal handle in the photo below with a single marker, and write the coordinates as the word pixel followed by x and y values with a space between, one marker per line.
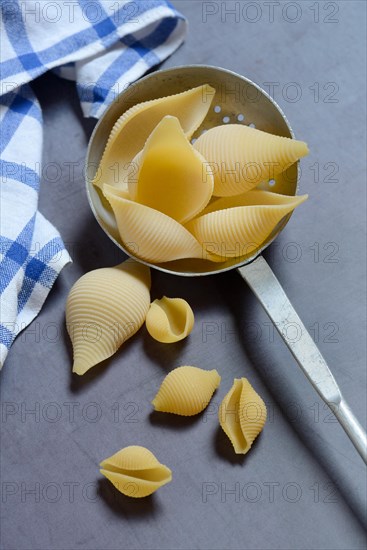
pixel 352 427
pixel 268 290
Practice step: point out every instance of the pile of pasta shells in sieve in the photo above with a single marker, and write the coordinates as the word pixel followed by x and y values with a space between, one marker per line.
pixel 176 205
pixel 173 199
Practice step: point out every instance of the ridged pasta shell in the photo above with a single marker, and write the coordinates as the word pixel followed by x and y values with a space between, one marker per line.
pixel 234 232
pixel 135 471
pixel 242 415
pixel 150 234
pixel 170 175
pixel 186 391
pixel 241 157
pixel 169 319
pixel 132 129
pixel 255 197
pixel 104 308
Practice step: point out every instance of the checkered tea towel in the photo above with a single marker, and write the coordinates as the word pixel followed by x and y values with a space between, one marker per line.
pixel 104 45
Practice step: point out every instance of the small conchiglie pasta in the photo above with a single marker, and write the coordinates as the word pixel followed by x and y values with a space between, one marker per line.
pixel 135 471
pixel 132 129
pixel 241 157
pixel 242 415
pixel 169 319
pixel 236 232
pixel 186 391
pixel 170 176
pixel 104 308
pixel 151 235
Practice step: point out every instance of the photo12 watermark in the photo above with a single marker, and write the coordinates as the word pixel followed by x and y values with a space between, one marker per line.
pixel 70 412
pixel 49 492
pixel 253 331
pixel 312 413
pixel 70 11
pixel 227 11
pixel 270 492
pixel 319 92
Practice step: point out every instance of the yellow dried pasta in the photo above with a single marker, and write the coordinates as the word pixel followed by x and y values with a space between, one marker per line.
pixel 170 174
pixel 132 129
pixel 234 232
pixel 104 308
pixel 242 415
pixel 186 391
pixel 150 234
pixel 241 157
pixel 135 471
pixel 256 197
pixel 169 319
pixel 193 202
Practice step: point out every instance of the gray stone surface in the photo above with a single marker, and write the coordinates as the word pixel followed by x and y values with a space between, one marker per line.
pixel 303 486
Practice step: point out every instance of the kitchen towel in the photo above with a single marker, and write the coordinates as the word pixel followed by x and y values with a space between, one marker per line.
pixel 104 46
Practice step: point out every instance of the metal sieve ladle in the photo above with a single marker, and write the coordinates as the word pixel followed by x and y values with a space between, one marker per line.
pixel 237 99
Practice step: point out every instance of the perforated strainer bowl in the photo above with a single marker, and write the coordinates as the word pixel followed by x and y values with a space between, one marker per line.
pixel 237 101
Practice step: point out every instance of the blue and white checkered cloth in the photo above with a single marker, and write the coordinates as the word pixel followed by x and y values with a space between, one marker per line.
pixel 104 46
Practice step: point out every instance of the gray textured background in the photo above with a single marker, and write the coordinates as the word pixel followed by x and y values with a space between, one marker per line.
pixel 303 486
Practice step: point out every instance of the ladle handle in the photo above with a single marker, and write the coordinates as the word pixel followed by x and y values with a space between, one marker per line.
pixel 268 290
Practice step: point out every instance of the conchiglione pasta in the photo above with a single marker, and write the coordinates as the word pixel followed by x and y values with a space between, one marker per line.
pixel 174 201
pixel 150 234
pixel 242 415
pixel 132 129
pixel 235 232
pixel 104 308
pixel 118 192
pixel 186 391
pixel 170 174
pixel 169 319
pixel 135 471
pixel 241 157
pixel 256 197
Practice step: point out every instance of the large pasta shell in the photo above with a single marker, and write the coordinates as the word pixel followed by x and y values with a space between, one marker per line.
pixel 132 129
pixel 241 157
pixel 135 471
pixel 169 319
pixel 234 232
pixel 256 197
pixel 150 234
pixel 186 391
pixel 104 308
pixel 242 415
pixel 171 177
